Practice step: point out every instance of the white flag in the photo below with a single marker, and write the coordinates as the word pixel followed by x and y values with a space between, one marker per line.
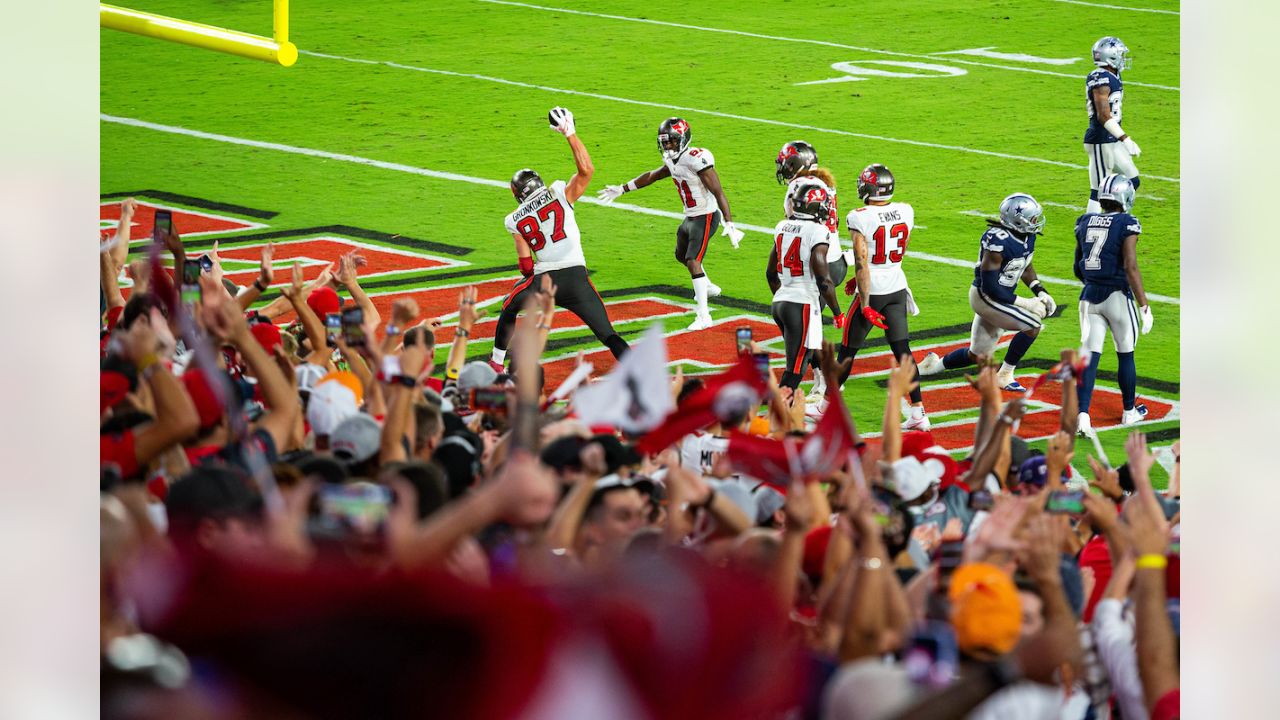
pixel 636 396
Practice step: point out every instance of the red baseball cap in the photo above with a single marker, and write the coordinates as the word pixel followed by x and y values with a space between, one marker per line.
pixel 267 335
pixel 207 405
pixel 324 301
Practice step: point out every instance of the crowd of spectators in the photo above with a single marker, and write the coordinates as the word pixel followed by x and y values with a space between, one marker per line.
pixel 301 520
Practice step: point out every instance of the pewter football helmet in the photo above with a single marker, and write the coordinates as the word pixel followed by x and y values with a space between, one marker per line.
pixel 1021 213
pixel 1117 189
pixel 1111 51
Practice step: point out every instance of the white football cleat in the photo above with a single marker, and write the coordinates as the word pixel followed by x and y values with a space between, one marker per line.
pixel 917 423
pixel 713 290
pixel 816 409
pixel 819 389
pixel 1084 426
pixel 701 322
pixel 930 364
pixel 1134 416
pixel 1007 382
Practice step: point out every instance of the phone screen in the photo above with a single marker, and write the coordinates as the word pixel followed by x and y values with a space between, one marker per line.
pixel 762 364
pixel 931 656
pixel 744 339
pixel 190 282
pixel 163 224
pixel 493 399
pixel 1065 502
pixel 353 326
pixel 356 509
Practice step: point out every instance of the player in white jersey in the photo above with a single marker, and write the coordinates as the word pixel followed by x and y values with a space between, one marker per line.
pixel 702 200
pixel 1110 149
pixel 796 162
pixel 798 276
pixel 548 243
pixel 880 231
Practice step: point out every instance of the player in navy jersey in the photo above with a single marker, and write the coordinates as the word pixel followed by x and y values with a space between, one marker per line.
pixel 1110 149
pixel 1007 249
pixel 1107 262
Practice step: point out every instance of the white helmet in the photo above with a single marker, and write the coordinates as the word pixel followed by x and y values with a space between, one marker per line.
pixel 1111 51
pixel 1117 189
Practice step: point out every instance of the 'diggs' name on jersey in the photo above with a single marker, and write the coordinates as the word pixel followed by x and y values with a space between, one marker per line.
pixel 1015 255
pixel 1097 134
pixel 794 241
pixel 546 221
pixel 1099 261
pixel 695 198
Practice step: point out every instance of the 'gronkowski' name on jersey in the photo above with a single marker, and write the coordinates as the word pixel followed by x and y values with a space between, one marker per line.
pixel 1099 260
pixel 546 221
pixel 1096 134
pixel 1015 254
pixel 695 198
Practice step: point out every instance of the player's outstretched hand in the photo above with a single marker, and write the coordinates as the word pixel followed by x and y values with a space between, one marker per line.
pixel 610 193
pixel 1147 319
pixel 1132 147
pixel 561 121
pixel 851 286
pixel 735 235
pixel 874 317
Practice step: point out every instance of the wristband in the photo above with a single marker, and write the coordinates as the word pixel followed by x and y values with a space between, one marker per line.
pixel 147 361
pixel 1005 419
pixel 462 332
pixel 1037 287
pixel 451 373
pixel 1152 561
pixel 392 330
pixel 631 185
pixel 406 380
pixel 257 283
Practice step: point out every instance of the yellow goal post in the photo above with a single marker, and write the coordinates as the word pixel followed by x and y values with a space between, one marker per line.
pixel 275 49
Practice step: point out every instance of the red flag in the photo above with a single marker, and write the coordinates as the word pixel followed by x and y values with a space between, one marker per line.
pixel 699 409
pixel 778 462
pixel 762 458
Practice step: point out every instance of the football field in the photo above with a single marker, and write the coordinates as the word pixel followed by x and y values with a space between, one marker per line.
pixel 402 122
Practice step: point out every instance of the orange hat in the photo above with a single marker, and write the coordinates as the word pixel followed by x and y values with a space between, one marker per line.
pixel 985 609
pixel 759 426
pixel 348 378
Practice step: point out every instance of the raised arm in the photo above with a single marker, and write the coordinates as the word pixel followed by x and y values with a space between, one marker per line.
pixel 901 382
pixel 260 284
pixel 312 325
pixel 278 392
pixel 562 122
pixel 1069 417
pixel 466 318
pixel 124 230
pixel 176 418
pixel 347 276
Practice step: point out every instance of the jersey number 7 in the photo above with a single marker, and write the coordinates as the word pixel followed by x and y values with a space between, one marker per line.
pixel 531 230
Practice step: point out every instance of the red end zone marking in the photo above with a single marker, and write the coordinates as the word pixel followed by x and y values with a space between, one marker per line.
pixel 435 302
pixel 317 252
pixel 188 222
pixel 713 346
pixel 619 312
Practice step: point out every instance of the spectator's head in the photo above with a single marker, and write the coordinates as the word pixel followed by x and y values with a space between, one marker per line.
pixel 267 335
pixel 985 611
pixel 916 483
pixel 117 380
pixel 1032 605
pixel 475 375
pixel 428 430
pixel 1033 474
pixel 420 335
pixel 427 480
pixel 138 305
pixel 334 398
pixel 755 552
pixel 205 387
pixel 356 441
pixel 615 512
pixel 215 509
pixel 459 455
pixel 564 454
pixel 324 468
pixel 896 522
pixel 619 458
pixel 324 301
pixel 691 386
pixel 1019 451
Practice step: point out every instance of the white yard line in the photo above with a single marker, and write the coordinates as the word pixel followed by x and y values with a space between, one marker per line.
pixel 1108 7
pixel 806 41
pixel 715 113
pixel 400 167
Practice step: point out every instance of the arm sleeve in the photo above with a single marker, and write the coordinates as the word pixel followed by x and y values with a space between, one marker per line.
pixel 1113 641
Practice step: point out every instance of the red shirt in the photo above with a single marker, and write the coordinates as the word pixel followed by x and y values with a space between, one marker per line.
pixel 1169 706
pixel 1096 555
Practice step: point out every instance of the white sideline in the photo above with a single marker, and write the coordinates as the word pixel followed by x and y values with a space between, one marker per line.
pixel 808 41
pixel 714 113
pixel 1112 7
pixel 400 167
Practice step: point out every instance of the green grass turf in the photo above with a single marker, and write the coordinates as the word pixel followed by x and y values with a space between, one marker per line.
pixel 487 129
